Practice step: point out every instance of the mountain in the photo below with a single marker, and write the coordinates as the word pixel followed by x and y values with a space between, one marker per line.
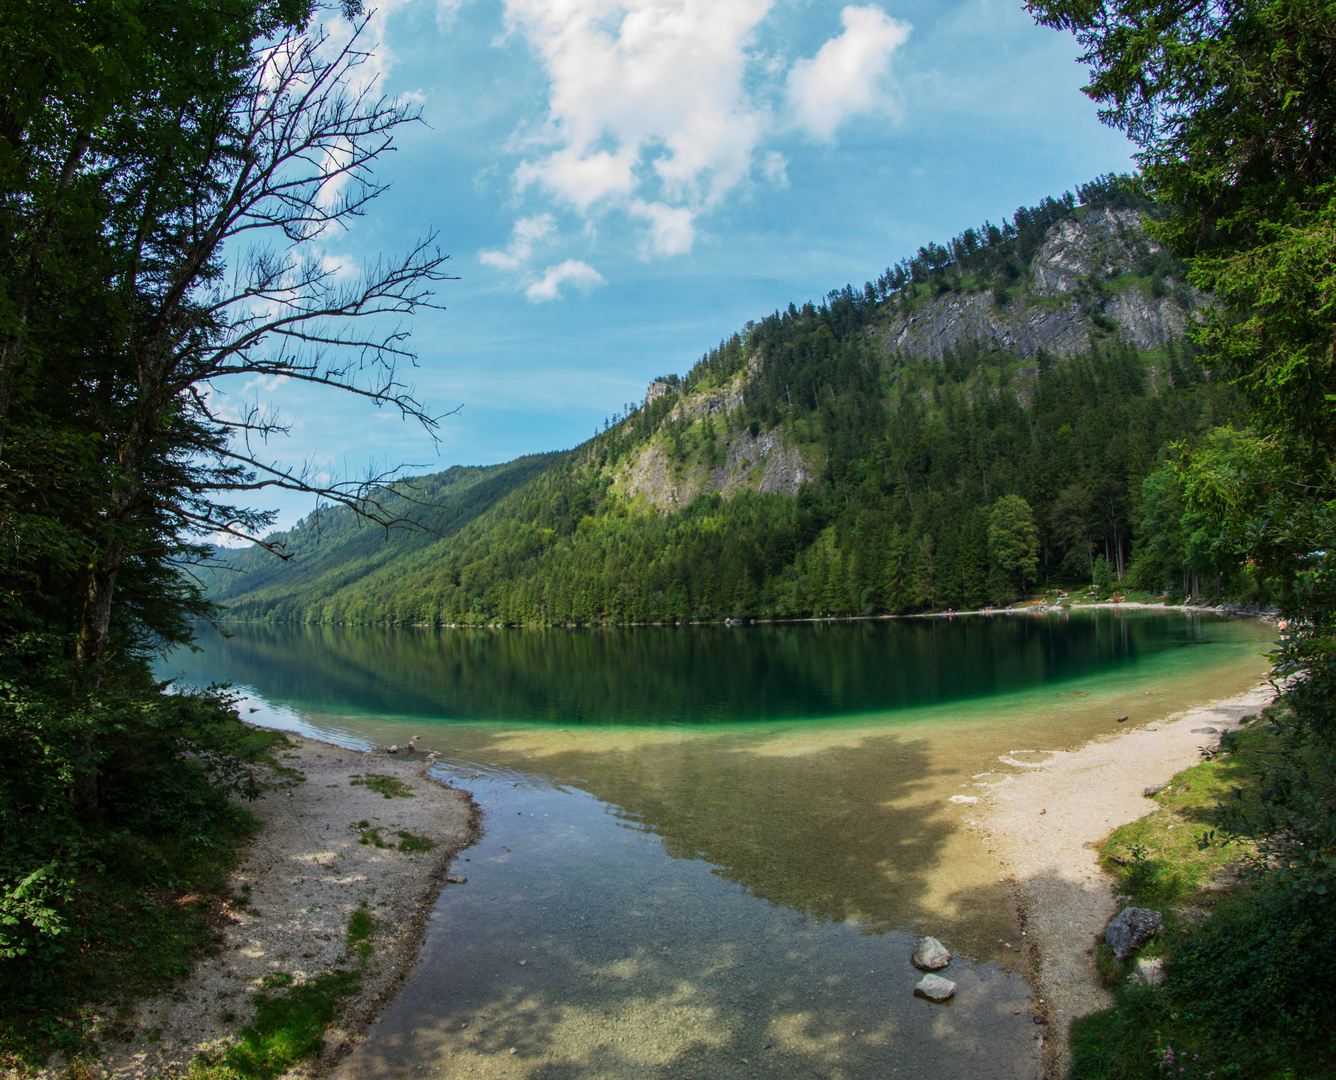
pixel 872 453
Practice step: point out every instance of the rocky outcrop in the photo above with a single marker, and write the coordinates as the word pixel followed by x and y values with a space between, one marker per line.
pixel 657 389
pixel 761 462
pixel 1104 243
pixel 714 404
pixel 1054 310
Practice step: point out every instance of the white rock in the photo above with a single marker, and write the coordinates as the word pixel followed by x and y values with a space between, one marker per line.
pixel 1150 972
pixel 930 954
pixel 934 988
pixel 969 800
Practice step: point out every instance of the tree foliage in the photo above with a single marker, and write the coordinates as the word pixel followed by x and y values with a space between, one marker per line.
pixel 169 172
pixel 1234 108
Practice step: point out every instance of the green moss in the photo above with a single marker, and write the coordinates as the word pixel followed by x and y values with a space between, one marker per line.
pixel 360 929
pixel 389 786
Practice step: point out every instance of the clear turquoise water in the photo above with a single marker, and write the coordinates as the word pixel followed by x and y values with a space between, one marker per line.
pixel 711 846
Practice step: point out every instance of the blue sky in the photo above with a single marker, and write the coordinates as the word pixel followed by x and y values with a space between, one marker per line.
pixel 621 183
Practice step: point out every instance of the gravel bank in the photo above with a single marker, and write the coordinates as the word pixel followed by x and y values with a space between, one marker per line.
pixel 306 872
pixel 1043 825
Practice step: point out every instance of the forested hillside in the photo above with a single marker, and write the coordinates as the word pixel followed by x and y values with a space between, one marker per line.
pixel 864 455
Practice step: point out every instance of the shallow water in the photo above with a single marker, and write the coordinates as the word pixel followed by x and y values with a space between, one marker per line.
pixel 707 849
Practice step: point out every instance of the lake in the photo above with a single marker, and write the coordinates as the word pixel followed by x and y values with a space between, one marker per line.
pixel 707 849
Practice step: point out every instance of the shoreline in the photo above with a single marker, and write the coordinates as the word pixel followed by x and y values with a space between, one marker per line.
pixel 1033 607
pixel 1043 825
pixel 306 870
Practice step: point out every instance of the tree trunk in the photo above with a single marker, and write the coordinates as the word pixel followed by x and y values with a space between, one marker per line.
pixel 95 608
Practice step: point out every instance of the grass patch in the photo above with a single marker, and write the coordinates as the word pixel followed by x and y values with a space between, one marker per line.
pixel 288 1028
pixel 389 786
pixel 360 929
pixel 1249 993
pixel 1172 854
pixel 408 842
pixel 1250 974
pixel 369 835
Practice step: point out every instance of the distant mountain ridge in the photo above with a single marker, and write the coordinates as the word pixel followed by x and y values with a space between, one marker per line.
pixel 832 458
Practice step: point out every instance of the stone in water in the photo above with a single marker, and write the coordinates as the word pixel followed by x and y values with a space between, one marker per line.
pixel 935 988
pixel 930 954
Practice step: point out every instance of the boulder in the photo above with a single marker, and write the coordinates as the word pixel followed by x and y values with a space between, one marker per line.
pixel 1150 972
pixel 1129 928
pixel 1153 790
pixel 1205 731
pixel 930 954
pixel 966 800
pixel 934 988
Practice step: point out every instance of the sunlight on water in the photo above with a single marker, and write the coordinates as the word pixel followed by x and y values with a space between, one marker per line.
pixel 732 888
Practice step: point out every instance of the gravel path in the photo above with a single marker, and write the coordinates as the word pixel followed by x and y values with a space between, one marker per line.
pixel 304 875
pixel 1043 824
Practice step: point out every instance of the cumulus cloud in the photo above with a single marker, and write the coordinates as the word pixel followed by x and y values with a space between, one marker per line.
pixel 776 169
pixel 446 13
pixel 572 271
pixel 672 229
pixel 365 77
pixel 527 232
pixel 647 109
pixel 845 76
pixel 650 115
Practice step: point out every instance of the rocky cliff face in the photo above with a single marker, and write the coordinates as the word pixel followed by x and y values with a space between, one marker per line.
pixel 1067 295
pixel 1087 279
pixel 761 462
pixel 757 463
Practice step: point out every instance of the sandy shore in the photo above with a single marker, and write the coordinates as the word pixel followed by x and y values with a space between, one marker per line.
pixel 303 876
pixel 1043 824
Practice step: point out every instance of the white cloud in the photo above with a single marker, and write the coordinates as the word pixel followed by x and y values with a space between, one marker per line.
pixel 672 229
pixel 845 76
pixel 647 106
pixel 776 169
pixel 527 232
pixel 572 271
pixel 446 11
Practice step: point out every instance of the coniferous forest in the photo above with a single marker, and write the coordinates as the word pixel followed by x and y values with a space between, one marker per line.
pixel 949 481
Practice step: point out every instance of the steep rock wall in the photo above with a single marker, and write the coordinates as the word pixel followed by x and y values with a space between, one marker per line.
pixel 758 463
pixel 1054 310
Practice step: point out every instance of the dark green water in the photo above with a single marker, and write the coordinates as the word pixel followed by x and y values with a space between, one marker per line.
pixel 711 846
pixel 694 674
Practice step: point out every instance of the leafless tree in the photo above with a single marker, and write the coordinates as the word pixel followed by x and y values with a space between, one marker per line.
pixel 219 222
